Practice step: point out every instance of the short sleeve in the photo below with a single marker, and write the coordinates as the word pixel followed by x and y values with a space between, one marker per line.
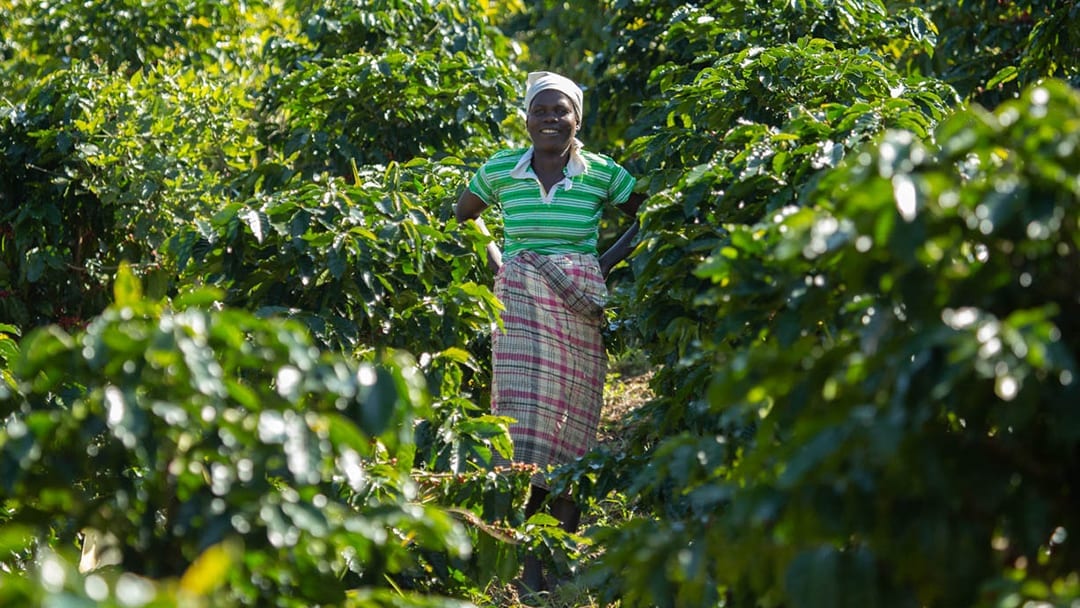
pixel 480 184
pixel 621 185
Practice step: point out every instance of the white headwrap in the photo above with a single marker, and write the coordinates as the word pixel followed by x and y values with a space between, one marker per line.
pixel 542 81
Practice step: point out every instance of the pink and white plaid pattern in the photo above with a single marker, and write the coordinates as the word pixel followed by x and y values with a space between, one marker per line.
pixel 549 362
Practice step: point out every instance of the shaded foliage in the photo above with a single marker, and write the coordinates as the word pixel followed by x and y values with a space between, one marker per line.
pixel 100 168
pixel 989 50
pixel 376 108
pixel 907 330
pixel 179 429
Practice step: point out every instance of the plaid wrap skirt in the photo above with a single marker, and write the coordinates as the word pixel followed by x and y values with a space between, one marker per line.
pixel 548 359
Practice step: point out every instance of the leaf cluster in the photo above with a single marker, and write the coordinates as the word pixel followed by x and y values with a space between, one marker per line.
pixel 878 382
pixel 179 429
pixel 258 445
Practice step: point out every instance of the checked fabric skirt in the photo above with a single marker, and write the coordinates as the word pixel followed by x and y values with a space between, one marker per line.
pixel 548 359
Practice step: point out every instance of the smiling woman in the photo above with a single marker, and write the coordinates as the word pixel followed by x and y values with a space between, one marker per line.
pixel 548 358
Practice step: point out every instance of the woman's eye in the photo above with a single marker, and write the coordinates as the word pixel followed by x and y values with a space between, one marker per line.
pixel 559 112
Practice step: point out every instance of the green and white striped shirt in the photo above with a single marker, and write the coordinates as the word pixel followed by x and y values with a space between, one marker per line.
pixel 565 219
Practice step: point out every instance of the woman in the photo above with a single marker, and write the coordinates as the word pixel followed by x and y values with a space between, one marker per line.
pixel 548 360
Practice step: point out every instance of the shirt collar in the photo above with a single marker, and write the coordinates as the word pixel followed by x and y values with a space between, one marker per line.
pixel 574 167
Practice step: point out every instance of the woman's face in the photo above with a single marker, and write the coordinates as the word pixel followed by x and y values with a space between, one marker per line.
pixel 552 122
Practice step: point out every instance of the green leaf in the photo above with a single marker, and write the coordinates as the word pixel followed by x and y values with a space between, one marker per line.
pixel 45 350
pixel 210 570
pixel 258 222
pixel 127 289
pixel 200 297
pixel 457 355
pixel 15 539
pixel 336 262
pixel 9 349
pixel 35 266
pixel 344 433
pixel 1006 74
pixel 377 399
pixel 812 579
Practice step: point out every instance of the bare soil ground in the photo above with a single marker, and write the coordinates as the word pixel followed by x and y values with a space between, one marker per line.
pixel 623 394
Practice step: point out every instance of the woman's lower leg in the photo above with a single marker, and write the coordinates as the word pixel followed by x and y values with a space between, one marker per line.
pixel 532 576
pixel 567 512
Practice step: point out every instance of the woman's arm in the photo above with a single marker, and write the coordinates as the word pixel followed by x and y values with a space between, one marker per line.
pixel 469 207
pixel 624 244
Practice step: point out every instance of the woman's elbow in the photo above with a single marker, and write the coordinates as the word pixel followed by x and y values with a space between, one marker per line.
pixel 468 207
pixel 631 206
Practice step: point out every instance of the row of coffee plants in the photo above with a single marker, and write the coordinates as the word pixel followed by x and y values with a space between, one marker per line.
pixel 211 264
pixel 853 285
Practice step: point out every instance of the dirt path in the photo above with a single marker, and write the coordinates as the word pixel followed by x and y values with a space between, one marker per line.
pixel 622 394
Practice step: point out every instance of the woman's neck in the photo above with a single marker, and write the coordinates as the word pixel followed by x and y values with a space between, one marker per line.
pixel 550 161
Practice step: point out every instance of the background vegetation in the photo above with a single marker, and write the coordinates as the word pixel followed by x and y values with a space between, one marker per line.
pixel 243 343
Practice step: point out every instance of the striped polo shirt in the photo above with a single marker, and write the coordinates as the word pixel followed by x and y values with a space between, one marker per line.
pixel 565 219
